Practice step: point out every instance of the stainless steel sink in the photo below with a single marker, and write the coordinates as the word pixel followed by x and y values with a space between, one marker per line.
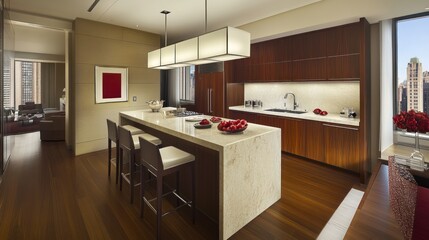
pixel 285 110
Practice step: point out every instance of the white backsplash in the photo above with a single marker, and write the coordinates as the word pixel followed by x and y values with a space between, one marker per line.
pixel 328 96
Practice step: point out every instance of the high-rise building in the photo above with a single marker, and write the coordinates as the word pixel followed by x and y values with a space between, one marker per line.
pixel 414 85
pixel 426 76
pixel 402 97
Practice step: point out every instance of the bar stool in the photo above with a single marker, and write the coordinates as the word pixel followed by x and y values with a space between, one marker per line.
pixel 129 144
pixel 112 133
pixel 161 162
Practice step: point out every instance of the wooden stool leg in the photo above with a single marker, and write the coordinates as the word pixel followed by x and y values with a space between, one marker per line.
pixel 132 167
pixel 121 155
pixel 193 193
pixel 109 146
pixel 158 206
pixel 178 187
pixel 143 179
pixel 117 162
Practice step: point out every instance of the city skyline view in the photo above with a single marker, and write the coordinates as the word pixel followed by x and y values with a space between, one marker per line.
pixel 412 41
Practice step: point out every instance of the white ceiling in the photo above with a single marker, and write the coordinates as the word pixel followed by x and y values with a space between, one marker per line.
pixel 185 20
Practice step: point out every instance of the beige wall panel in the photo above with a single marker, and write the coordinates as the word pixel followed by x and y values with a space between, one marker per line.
pixel 85 73
pixel 143 75
pixel 97 29
pixel 93 146
pixel 131 35
pixel 110 52
pixel 99 47
pixel 144 93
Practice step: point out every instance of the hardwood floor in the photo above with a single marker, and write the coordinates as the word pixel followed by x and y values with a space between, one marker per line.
pixel 47 193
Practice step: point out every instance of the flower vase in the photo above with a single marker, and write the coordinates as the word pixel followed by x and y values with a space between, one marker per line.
pixel 417 159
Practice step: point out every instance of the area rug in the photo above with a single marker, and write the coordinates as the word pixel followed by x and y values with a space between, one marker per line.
pixel 338 224
pixel 13 128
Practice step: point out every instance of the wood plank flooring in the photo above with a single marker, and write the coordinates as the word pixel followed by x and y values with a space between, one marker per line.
pixel 47 193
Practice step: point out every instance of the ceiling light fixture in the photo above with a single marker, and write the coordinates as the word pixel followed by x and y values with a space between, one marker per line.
pixel 225 44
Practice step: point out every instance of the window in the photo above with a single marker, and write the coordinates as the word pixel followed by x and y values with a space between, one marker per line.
pixel 27 82
pixel 411 66
pixel 187 84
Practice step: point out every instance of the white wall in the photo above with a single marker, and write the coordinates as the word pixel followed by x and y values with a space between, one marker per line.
pixel 386 86
pixel 39 40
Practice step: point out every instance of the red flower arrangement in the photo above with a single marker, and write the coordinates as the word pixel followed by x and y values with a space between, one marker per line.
pixel 412 121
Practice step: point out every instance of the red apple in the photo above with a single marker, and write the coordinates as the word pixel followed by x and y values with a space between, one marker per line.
pixel 317 111
pixel 323 113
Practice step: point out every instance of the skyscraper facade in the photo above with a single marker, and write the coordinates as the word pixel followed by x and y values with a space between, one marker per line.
pixel 414 85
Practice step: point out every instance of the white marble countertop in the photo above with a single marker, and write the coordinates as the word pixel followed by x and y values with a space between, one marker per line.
pixel 330 118
pixel 179 127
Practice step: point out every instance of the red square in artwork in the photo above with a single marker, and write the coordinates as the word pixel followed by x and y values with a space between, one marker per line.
pixel 111 85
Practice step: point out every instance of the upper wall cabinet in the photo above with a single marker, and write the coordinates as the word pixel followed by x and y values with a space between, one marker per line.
pixel 331 54
pixel 309 45
pixel 343 40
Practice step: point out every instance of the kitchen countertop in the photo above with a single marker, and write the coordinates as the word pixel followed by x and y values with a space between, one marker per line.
pixel 330 118
pixel 211 138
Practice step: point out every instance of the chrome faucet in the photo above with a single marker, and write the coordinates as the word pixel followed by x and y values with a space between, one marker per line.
pixel 295 105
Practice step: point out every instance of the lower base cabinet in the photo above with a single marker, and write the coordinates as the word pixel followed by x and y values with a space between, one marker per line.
pixel 342 146
pixel 314 141
pixel 336 145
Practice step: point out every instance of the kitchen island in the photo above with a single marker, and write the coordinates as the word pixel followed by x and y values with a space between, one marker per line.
pixel 238 175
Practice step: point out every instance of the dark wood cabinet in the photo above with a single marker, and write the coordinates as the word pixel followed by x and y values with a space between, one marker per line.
pixel 343 39
pixel 293 136
pixel 342 146
pixel 309 45
pixel 209 93
pixel 309 70
pixel 314 141
pixel 345 67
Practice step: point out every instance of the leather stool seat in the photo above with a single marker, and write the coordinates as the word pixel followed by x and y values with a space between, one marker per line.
pixel 132 129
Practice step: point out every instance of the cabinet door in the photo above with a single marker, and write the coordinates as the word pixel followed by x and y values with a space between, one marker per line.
pixel 343 67
pixel 201 91
pixel 343 39
pixel 309 70
pixel 309 45
pixel 216 94
pixel 293 136
pixel 342 146
pixel 314 141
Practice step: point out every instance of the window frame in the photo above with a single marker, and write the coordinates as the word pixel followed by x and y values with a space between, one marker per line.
pixel 402 137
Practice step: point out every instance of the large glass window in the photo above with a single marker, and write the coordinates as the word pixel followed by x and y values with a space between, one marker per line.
pixel 411 74
pixel 187 84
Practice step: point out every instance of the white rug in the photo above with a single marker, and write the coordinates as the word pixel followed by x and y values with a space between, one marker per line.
pixel 340 221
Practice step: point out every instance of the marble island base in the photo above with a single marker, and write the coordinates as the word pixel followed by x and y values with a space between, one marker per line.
pixel 237 176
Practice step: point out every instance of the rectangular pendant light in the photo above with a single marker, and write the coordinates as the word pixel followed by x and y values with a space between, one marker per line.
pixel 168 55
pixel 187 52
pixel 154 58
pixel 224 44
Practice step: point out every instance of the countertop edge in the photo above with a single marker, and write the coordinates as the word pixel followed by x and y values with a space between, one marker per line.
pixel 305 116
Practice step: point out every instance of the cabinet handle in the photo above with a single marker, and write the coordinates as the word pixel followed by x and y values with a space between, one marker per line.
pixel 208 100
pixel 211 95
pixel 335 126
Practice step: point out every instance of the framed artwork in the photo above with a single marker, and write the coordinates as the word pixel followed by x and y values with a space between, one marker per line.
pixel 111 84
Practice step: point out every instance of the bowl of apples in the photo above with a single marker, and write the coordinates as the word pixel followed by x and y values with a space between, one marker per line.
pixel 232 126
pixel 203 124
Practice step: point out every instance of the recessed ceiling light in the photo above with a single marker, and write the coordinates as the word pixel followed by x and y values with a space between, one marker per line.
pixel 427 8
